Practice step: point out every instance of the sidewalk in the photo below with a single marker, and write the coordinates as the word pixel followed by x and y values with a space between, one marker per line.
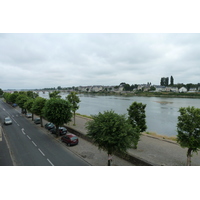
pixel 159 152
pixel 85 150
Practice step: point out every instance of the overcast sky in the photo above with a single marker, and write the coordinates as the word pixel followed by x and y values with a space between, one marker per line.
pixel 49 60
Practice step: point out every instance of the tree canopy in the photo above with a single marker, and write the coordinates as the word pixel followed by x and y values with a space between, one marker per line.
pixel 58 111
pixel 38 106
pixel 54 94
pixel 137 116
pixel 111 132
pixel 74 100
pixel 188 128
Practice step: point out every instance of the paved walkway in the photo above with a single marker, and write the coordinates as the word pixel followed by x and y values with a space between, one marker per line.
pixel 159 152
pixel 155 150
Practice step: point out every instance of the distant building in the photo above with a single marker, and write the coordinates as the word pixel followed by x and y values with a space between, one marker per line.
pixel 182 89
pixel 159 88
pixel 192 90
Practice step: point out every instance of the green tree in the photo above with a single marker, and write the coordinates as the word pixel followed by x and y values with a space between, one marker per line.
pixel 58 111
pixel 13 97
pixel 32 94
pixel 137 118
pixel 171 80
pixel 21 100
pixel 6 96
pixel 29 105
pixel 1 92
pixel 38 106
pixel 111 132
pixel 54 94
pixel 74 100
pixel 188 128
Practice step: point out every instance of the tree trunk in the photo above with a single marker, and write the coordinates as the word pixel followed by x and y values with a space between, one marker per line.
pixel 41 121
pixel 57 131
pixel 189 155
pixel 109 163
pixel 74 119
pixel 109 159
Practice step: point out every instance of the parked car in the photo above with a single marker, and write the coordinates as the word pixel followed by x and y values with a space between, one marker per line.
pixel 28 115
pixel 37 121
pixel 7 121
pixel 62 130
pixel 70 139
pixel 49 125
pixel 14 105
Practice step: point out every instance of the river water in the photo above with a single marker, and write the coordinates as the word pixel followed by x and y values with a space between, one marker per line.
pixel 161 113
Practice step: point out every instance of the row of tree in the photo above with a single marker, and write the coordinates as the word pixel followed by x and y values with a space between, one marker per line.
pixel 115 133
pixel 110 131
pixel 56 110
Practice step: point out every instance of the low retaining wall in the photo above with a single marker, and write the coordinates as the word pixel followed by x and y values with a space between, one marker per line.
pixel 130 158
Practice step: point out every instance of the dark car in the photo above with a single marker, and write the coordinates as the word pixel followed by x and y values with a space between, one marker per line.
pixel 14 105
pixel 49 125
pixel 70 139
pixel 37 121
pixel 62 130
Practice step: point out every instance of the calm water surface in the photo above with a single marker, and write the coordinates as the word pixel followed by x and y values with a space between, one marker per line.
pixel 161 113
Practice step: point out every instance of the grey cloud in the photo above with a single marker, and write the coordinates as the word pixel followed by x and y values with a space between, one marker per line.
pixel 88 59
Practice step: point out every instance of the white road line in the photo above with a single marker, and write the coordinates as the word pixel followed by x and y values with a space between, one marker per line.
pixel 15 122
pixel 23 131
pixel 28 137
pixel 41 152
pixel 50 162
pixel 34 143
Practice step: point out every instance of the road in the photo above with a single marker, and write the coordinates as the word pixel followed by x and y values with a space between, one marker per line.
pixel 30 146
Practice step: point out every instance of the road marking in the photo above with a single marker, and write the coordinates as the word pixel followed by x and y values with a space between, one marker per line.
pixel 34 143
pixel 28 137
pixel 23 131
pixel 15 122
pixel 50 162
pixel 41 152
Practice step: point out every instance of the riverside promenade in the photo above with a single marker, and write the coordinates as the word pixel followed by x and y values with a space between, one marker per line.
pixel 152 150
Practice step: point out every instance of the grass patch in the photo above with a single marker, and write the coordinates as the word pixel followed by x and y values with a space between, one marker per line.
pixel 173 138
pixel 86 116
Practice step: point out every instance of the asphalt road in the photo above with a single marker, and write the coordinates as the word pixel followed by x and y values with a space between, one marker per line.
pixel 29 146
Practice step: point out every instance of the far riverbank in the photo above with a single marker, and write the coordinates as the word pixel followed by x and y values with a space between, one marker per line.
pixel 146 94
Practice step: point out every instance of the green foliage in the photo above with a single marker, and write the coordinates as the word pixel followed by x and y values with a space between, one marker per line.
pixel 137 116
pixel 21 100
pixel 29 104
pixel 13 97
pixel 188 128
pixel 54 94
pixel 1 91
pixel 32 94
pixel 58 111
pixel 112 132
pixel 74 100
pixel 38 106
pixel 6 96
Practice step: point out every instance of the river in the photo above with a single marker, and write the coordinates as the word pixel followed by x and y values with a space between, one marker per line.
pixel 161 113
